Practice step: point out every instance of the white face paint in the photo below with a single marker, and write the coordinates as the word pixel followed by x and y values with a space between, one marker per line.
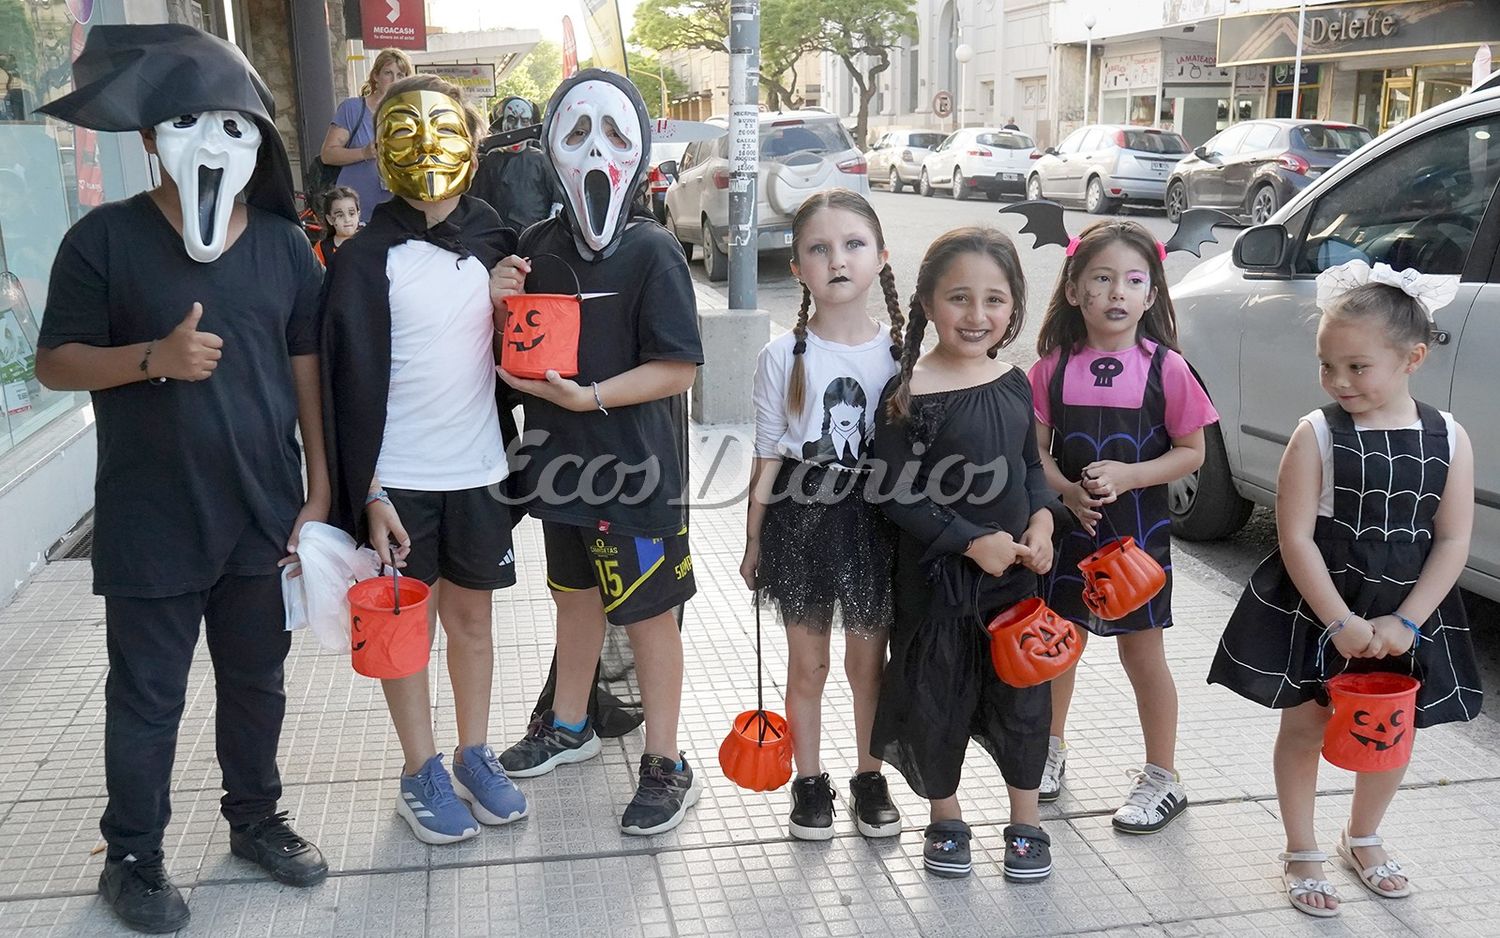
pixel 595 143
pixel 211 157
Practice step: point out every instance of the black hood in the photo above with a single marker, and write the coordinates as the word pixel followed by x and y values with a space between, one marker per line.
pixel 132 78
pixel 641 170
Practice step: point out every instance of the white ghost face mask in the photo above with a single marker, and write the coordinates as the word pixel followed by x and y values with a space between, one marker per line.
pixel 211 157
pixel 594 140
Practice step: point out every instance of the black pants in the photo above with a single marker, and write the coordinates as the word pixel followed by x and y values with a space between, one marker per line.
pixel 151 645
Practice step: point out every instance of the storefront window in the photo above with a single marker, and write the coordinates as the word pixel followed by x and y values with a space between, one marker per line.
pixel 50 173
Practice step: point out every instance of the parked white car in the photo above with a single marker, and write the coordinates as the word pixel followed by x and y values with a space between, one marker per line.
pixel 896 157
pixel 980 159
pixel 801 152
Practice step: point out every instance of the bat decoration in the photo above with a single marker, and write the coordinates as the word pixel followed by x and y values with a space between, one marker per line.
pixel 1044 220
pixel 1195 226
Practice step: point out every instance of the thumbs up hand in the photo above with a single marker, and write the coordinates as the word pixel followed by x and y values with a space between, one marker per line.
pixel 186 354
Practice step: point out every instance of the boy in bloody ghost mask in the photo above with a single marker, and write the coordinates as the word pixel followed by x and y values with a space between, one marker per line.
pixel 190 314
pixel 516 180
pixel 615 535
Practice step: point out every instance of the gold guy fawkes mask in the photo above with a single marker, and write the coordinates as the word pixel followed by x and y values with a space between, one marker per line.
pixel 426 151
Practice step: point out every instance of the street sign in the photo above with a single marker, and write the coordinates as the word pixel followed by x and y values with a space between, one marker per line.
pixel 942 103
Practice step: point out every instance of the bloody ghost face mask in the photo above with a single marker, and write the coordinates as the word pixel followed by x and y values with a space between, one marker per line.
pixel 210 156
pixel 513 114
pixel 426 151
pixel 598 140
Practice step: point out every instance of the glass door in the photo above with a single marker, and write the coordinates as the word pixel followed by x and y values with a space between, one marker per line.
pixel 1397 104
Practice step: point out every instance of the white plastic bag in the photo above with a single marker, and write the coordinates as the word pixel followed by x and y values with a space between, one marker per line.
pixel 319 598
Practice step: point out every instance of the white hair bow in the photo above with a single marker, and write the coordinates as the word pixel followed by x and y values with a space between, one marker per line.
pixel 1431 291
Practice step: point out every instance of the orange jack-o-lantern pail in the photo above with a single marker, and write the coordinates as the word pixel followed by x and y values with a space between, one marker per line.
pixel 757 753
pixel 1120 578
pixel 1030 644
pixel 541 331
pixel 1373 722
pixel 388 626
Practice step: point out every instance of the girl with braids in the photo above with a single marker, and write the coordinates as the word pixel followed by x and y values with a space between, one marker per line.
pixel 814 546
pixel 1118 416
pixel 963 479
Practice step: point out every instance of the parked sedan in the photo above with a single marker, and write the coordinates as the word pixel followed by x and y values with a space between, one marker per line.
pixel 1255 167
pixel 979 159
pixel 1422 196
pixel 896 158
pixel 1106 165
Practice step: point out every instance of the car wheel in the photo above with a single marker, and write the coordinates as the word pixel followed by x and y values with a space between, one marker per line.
pixel 1034 188
pixel 1205 505
pixel 1263 204
pixel 925 186
pixel 960 191
pixel 1095 201
pixel 715 261
pixel 1176 201
pixel 895 180
pixel 687 248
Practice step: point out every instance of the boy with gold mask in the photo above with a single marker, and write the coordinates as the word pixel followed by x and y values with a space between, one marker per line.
pixel 415 434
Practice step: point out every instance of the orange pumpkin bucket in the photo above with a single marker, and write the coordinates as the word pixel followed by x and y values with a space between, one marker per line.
pixel 757 753
pixel 1120 578
pixel 541 332
pixel 388 626
pixel 1030 644
pixel 1372 727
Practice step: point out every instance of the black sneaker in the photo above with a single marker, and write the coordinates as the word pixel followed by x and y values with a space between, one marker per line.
pixel 141 895
pixel 946 851
pixel 545 747
pixel 874 812
pixel 812 808
pixel 1028 853
pixel 272 844
pixel 663 796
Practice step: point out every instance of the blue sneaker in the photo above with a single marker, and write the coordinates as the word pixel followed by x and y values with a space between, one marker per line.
pixel 479 780
pixel 428 804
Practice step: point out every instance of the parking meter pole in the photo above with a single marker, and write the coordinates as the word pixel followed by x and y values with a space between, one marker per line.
pixel 744 149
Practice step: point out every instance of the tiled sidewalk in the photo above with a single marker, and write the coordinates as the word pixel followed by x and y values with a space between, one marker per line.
pixel 730 868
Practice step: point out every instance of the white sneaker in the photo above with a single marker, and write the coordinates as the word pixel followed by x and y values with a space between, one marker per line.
pixel 1052 773
pixel 1156 798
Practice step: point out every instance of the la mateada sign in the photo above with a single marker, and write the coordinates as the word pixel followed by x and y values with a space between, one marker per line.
pixel 1339 30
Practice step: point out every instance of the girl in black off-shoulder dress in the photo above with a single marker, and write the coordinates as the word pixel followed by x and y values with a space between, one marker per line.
pixel 962 477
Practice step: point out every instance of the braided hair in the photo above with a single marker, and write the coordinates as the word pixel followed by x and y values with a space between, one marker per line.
pixel 796 387
pixel 940 256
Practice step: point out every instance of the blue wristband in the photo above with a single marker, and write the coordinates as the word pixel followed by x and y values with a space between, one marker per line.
pixel 379 495
pixel 1416 630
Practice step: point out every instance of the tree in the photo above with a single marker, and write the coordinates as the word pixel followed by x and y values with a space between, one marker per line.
pixel 535 77
pixel 866 30
pixel 786 32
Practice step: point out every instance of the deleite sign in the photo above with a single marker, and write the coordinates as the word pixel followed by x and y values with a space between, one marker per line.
pixel 1337 30
pixel 394 24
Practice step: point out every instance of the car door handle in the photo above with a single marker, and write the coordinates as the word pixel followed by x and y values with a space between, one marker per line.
pixel 1441 337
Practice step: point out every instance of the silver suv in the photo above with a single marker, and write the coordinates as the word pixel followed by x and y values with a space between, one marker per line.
pixel 801 152
pixel 1420 196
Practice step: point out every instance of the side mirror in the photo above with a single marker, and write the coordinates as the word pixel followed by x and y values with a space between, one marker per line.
pixel 667 167
pixel 1201 151
pixel 1262 248
pixel 1050 151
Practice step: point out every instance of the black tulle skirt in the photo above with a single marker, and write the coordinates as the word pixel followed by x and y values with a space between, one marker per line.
pixel 826 554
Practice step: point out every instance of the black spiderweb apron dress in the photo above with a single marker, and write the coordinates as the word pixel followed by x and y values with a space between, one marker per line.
pixel 1387 485
pixel 1083 434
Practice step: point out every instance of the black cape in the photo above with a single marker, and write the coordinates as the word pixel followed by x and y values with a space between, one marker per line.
pixel 356 339
pixel 134 77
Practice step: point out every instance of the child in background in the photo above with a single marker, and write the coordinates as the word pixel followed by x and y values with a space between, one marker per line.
pixel 340 211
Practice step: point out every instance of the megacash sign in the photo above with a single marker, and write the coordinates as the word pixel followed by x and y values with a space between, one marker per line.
pixel 394 24
pixel 1338 31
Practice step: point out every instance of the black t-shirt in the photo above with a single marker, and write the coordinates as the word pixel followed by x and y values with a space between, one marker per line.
pixel 195 479
pixel 631 453
pixel 518 185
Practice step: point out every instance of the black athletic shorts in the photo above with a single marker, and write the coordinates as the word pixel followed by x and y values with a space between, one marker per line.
pixel 463 537
pixel 637 577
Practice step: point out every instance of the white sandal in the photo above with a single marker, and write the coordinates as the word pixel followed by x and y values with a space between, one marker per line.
pixel 1370 877
pixel 1297 887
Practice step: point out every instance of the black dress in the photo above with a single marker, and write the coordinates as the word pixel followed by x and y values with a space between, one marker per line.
pixel 1387 485
pixel 1082 435
pixel 963 465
